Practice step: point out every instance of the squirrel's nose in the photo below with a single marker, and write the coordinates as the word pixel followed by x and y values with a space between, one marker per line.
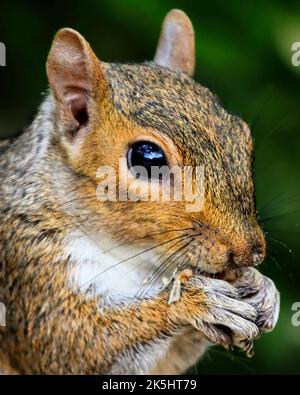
pixel 252 256
pixel 257 254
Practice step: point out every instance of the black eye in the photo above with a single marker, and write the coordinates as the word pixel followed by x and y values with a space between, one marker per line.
pixel 146 154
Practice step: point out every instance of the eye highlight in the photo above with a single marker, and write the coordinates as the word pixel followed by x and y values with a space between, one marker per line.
pixel 146 154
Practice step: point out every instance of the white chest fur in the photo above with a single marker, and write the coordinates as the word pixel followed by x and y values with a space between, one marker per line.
pixel 119 272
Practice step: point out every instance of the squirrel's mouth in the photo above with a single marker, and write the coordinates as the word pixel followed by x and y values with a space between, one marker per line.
pixel 218 275
pixel 228 272
pixel 226 275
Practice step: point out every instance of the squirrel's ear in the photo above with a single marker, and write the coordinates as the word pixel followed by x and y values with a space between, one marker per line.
pixel 75 76
pixel 176 47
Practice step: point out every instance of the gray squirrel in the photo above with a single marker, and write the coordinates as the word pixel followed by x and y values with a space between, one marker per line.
pixel 74 303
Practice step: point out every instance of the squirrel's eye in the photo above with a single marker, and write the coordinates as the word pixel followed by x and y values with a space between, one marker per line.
pixel 145 154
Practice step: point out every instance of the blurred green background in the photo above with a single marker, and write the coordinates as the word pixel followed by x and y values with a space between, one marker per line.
pixel 243 55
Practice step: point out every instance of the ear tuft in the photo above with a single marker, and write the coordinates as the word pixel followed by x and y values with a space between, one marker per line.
pixel 176 47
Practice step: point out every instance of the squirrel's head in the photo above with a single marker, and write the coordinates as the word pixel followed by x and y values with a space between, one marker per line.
pixel 155 114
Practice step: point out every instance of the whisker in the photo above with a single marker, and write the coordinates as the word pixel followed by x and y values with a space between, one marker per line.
pixel 272 218
pixel 147 236
pixel 161 269
pixel 282 244
pixel 159 257
pixel 274 259
pixel 126 260
pixel 282 231
pixel 137 297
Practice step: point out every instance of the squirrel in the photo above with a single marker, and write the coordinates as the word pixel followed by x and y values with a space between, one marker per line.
pixel 74 269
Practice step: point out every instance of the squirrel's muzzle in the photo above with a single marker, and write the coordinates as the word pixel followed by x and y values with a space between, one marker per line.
pixel 249 253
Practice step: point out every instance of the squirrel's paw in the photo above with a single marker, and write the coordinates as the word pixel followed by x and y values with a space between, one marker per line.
pixel 260 292
pixel 220 315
